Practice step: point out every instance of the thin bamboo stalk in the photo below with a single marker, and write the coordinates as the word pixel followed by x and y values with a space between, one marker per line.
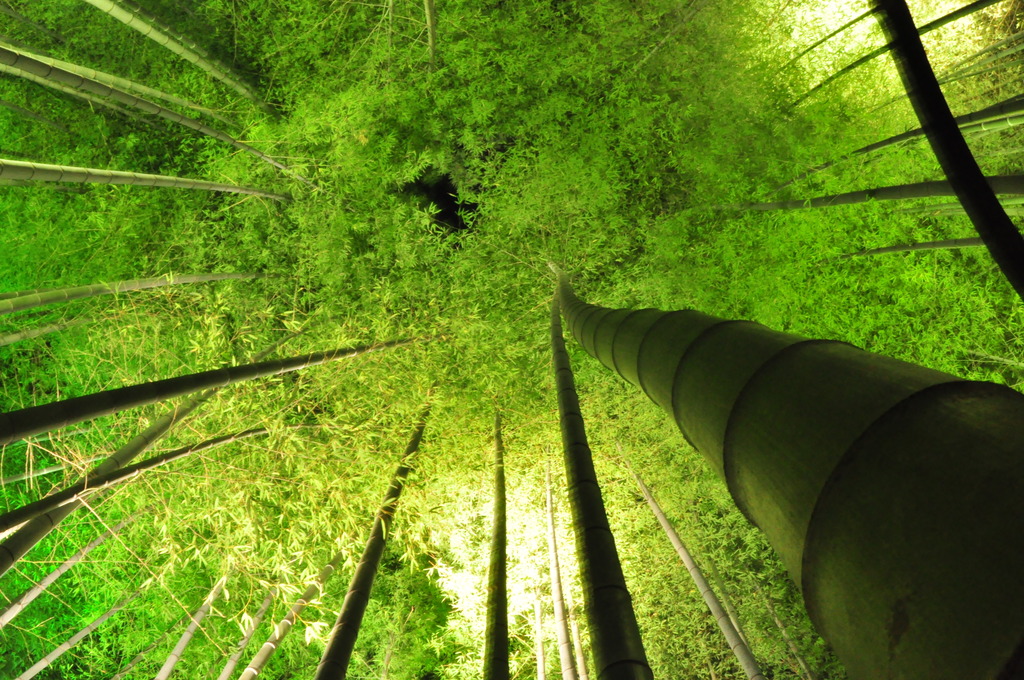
pixel 977 70
pixel 334 663
pixel 32 115
pixel 19 603
pixel 17 16
pixel 925 245
pixel 431 13
pixel 186 637
pixel 121 674
pixel 736 643
pixel 496 634
pixel 53 296
pixel 43 663
pixel 615 636
pixel 229 668
pixel 577 639
pixel 42 472
pixel 22 63
pixel 139 20
pixel 991 48
pixel 926 28
pixel 1003 240
pixel 565 654
pixel 805 669
pixel 538 637
pixel 856 20
pixel 45 172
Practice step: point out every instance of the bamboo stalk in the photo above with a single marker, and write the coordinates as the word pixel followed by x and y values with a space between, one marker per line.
pixel 55 295
pixel 44 172
pixel 577 639
pixel 31 115
pixel 17 16
pixel 805 669
pixel 978 196
pixel 149 648
pixel 565 653
pixel 186 637
pixel 335 660
pixel 538 637
pixel 925 245
pixel 229 668
pixel 496 634
pixel 42 472
pixel 856 20
pixel 430 11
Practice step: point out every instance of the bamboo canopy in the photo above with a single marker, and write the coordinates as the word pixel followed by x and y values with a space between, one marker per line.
pixel 893 494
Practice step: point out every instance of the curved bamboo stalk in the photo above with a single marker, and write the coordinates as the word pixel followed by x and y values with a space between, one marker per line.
pixel 186 637
pixel 142 655
pixel 888 490
pixel 496 635
pixel 55 295
pixel 45 172
pixel 1003 240
pixel 22 63
pixel 118 83
pixel 94 483
pixel 538 637
pixel 139 20
pixel 14 547
pixel 31 115
pixel 35 419
pixel 856 20
pixel 614 634
pixel 334 663
pixel 998 184
pixel 926 28
pixel 43 663
pixel 925 245
pixel 229 668
pixel 565 655
pixel 19 603
pixel 42 472
pixel 736 643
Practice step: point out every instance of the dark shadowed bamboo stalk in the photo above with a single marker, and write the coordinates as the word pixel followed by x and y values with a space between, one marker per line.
pixel 736 643
pixel 17 16
pixel 35 419
pixel 805 669
pixel 890 492
pixel 1001 184
pixel 95 483
pixel 186 637
pixel 14 547
pixel 565 655
pixel 139 20
pixel 31 115
pixel 43 663
pixel 22 63
pixel 856 20
pixel 1001 237
pixel 538 636
pixel 496 635
pixel 924 245
pixel 926 28
pixel 38 331
pixel 42 472
pixel 229 668
pixel 614 634
pixel 577 639
pixel 142 655
pixel 55 295
pixel 334 663
pixel 45 172
pixel 19 603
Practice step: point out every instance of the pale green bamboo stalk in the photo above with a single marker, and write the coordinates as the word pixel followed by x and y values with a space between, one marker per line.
pixel 968 73
pixel 42 472
pixel 925 245
pixel 991 48
pixel 229 668
pixel 42 664
pixel 197 618
pixel 31 115
pixel 29 333
pixel 19 603
pixel 577 638
pixel 142 655
pixel 72 92
pixel 34 300
pixel 41 185
pixel 538 637
pixel 45 172
pixel 139 20
pixel 565 656
pixel 23 63
pixel 119 83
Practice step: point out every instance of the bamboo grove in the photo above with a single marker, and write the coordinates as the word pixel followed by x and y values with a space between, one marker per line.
pixel 323 418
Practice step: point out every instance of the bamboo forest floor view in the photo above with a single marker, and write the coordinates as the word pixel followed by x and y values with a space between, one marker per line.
pixel 619 140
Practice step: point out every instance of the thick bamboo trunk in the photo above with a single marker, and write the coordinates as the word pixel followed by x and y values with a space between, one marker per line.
pixel 23 63
pixel 890 492
pixel 565 655
pixel 186 637
pixel 19 603
pixel 1001 236
pixel 43 663
pixel 538 637
pixel 95 483
pixel 53 296
pixel 44 172
pixel 334 663
pixel 136 18
pixel 736 643
pixel 15 547
pixel 22 423
pixel 614 633
pixel 229 667
pixel 926 28
pixel 496 635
